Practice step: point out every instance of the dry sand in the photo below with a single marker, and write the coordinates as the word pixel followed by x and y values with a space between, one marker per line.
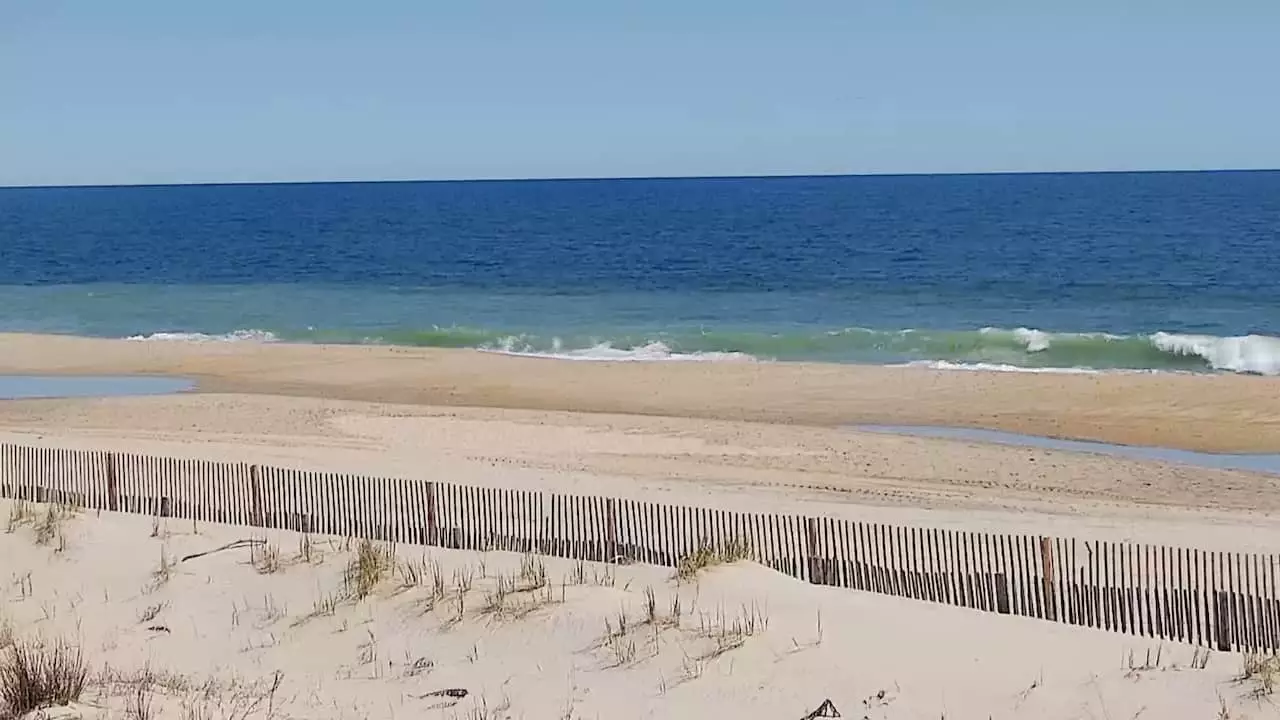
pixel 1211 413
pixel 753 437
pixel 746 466
pixel 748 643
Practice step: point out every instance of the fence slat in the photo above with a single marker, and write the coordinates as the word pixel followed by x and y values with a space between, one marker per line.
pixel 927 575
pixel 1186 632
pixel 973 560
pixel 901 561
pixel 1171 596
pixel 955 573
pixel 1133 611
pixel 878 562
pixel 1272 610
pixel 891 561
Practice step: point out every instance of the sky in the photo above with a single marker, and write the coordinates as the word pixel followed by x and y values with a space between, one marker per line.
pixel 152 91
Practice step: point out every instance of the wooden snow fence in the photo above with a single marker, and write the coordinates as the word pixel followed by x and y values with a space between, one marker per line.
pixel 1222 600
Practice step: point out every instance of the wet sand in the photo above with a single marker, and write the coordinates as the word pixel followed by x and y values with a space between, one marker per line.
pixel 1207 413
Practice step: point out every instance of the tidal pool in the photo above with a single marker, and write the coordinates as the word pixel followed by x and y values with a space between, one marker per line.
pixel 19 387
pixel 1264 463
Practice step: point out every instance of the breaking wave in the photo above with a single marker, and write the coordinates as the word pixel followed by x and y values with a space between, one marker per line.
pixel 233 336
pixel 607 352
pixel 994 349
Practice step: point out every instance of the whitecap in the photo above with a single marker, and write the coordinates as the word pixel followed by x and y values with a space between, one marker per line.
pixel 233 336
pixel 606 352
pixel 1257 354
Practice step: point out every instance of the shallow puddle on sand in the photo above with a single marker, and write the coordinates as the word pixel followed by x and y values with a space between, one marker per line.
pixel 17 387
pixel 1254 463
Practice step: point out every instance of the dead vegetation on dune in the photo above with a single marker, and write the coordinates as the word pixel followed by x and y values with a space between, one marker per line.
pixel 36 674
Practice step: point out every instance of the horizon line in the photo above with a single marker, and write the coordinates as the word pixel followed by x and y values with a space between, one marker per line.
pixel 589 178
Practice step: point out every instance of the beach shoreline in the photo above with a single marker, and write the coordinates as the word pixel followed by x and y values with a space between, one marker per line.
pixel 1205 413
pixel 739 437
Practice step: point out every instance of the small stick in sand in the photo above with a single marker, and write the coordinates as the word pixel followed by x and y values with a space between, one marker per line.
pixel 229 546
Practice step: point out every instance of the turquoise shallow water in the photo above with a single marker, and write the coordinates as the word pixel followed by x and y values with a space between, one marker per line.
pixel 1264 463
pixel 14 387
pixel 1136 271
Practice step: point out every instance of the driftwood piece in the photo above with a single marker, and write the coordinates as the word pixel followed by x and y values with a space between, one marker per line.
pixel 826 710
pixel 229 546
pixel 451 697
pixel 455 693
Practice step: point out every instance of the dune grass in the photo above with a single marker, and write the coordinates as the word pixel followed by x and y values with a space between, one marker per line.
pixel 35 675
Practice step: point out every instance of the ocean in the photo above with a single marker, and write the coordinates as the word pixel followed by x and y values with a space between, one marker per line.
pixel 1033 273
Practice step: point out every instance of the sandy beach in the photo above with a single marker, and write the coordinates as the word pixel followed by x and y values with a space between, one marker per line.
pixel 649 361
pixel 1215 413
pixel 741 436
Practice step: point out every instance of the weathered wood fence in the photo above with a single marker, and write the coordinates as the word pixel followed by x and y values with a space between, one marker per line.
pixel 1223 600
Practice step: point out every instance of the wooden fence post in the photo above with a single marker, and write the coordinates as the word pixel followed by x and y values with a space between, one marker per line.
pixel 810 551
pixel 433 523
pixel 611 530
pixel 1046 557
pixel 256 517
pixel 113 483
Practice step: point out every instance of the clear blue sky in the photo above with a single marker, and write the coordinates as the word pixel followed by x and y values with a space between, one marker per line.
pixel 151 91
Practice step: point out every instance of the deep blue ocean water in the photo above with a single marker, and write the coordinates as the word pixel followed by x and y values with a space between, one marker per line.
pixel 1176 271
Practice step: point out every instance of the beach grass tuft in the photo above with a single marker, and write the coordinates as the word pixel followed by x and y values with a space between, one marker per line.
pixel 1262 670
pixel 707 555
pixel 20 513
pixel 265 558
pixel 164 570
pixel 35 675
pixel 370 565
pixel 50 527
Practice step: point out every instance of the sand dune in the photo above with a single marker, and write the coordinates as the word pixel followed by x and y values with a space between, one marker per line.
pixel 744 642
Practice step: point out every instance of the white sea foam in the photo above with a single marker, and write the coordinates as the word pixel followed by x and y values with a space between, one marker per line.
pixel 1030 338
pixel 233 336
pixel 1259 354
pixel 605 352
pixel 1034 340
pixel 1039 340
pixel 997 367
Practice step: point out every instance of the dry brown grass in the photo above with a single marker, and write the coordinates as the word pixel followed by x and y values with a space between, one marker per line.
pixel 210 699
pixel 265 558
pixel 618 640
pixel 50 527
pixel 308 552
pixel 518 594
pixel 1261 671
pixel 707 555
pixel 20 514
pixel 164 570
pixel 730 633
pixel 36 674
pixel 151 612
pixel 369 566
